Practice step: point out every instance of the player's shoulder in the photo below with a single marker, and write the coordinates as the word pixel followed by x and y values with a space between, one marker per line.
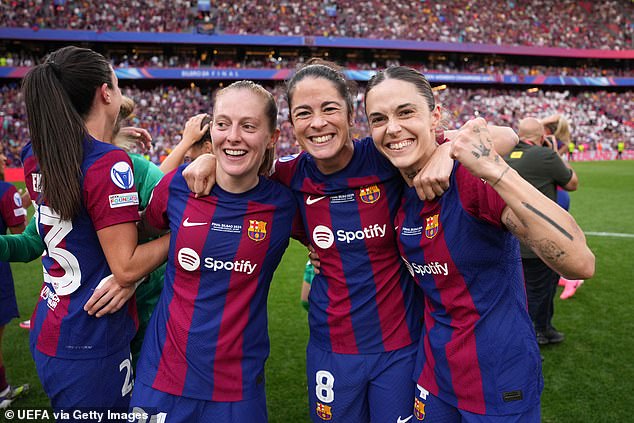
pixel 275 190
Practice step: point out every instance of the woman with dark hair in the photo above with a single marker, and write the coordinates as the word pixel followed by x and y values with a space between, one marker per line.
pixel 86 209
pixel 477 358
pixel 364 314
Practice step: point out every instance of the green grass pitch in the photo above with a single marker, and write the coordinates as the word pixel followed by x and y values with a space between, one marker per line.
pixel 588 378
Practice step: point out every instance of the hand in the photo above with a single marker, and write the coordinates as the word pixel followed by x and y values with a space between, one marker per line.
pixel 473 147
pixel 433 179
pixel 193 132
pixel 25 196
pixel 550 141
pixel 200 174
pixel 314 259
pixel 108 297
pixel 139 135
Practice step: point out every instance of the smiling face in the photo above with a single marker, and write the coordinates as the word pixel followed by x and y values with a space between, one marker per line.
pixel 321 122
pixel 241 133
pixel 403 127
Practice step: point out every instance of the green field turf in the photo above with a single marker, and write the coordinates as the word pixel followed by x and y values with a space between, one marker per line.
pixel 588 378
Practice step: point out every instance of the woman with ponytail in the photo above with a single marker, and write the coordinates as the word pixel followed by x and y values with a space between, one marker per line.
pixel 86 209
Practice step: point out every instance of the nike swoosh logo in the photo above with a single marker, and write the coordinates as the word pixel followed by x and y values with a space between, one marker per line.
pixel 310 200
pixel 187 223
pixel 400 420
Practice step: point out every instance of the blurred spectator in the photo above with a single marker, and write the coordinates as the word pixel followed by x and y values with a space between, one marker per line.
pixel 595 116
pixel 564 23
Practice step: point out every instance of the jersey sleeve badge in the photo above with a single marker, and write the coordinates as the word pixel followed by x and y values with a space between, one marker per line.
pixel 122 176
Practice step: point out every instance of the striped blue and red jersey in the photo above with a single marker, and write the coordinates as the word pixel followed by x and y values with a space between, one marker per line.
pixel 11 214
pixel 478 351
pixel 74 263
pixel 363 300
pixel 208 336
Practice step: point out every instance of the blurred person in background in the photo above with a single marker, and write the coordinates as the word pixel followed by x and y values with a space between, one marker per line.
pixel 196 140
pixel 307 280
pixel 557 136
pixel 542 167
pixel 12 218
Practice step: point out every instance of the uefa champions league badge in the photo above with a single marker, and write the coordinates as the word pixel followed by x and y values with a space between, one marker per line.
pixel 17 199
pixel 122 176
pixel 287 158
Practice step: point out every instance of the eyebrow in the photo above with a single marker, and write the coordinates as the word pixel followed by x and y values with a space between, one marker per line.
pixel 322 105
pixel 399 107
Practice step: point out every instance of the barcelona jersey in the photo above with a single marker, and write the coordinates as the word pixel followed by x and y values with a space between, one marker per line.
pixel 11 214
pixel 363 300
pixel 478 351
pixel 74 263
pixel 208 336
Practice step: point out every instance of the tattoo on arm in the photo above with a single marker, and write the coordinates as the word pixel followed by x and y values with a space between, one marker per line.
pixel 550 251
pixel 500 178
pixel 549 220
pixel 510 225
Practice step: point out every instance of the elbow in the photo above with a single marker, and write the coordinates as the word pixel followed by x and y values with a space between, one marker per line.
pixel 125 277
pixel 584 267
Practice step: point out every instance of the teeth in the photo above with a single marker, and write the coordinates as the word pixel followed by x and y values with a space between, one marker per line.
pixel 399 145
pixel 235 152
pixel 322 139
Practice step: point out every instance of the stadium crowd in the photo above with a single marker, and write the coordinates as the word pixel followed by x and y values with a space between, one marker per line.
pixel 567 23
pixel 596 116
pixel 467 64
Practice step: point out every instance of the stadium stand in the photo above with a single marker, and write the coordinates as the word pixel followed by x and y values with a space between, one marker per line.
pixel 566 23
pixel 600 116
pixel 583 69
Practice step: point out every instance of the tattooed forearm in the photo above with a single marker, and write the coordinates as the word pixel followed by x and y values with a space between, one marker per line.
pixel 549 220
pixel 500 177
pixel 549 250
pixel 510 225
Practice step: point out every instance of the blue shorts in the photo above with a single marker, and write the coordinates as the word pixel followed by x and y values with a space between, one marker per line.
pixel 428 407
pixel 101 383
pixel 360 387
pixel 563 199
pixel 8 303
pixel 163 407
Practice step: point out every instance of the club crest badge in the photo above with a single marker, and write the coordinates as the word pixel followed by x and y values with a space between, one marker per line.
pixel 324 411
pixel 431 226
pixel 257 230
pixel 419 409
pixel 370 194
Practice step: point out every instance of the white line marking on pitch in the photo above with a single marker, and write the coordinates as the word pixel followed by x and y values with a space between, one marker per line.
pixel 617 235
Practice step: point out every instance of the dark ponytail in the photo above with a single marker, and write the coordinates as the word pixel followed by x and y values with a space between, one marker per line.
pixel 59 94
